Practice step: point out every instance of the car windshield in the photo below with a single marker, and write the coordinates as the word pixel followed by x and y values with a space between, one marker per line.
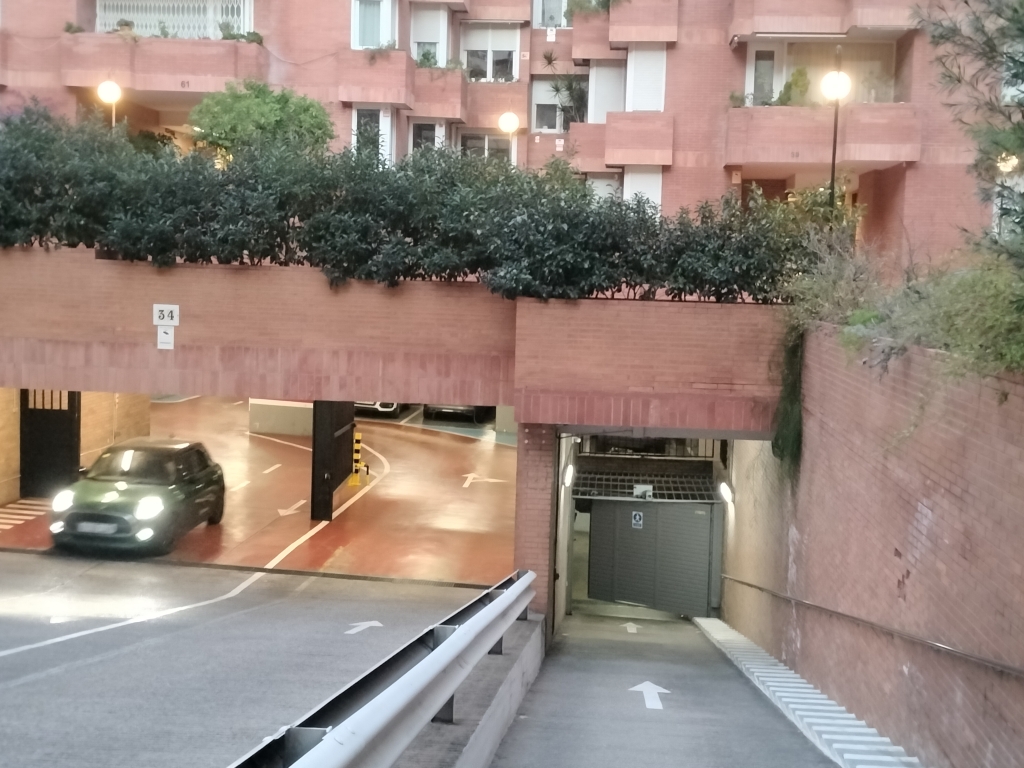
pixel 140 466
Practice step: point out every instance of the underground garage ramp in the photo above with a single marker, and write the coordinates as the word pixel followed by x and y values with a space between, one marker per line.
pixel 663 551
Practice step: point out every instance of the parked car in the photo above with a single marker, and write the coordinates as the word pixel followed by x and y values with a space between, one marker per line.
pixel 479 413
pixel 384 409
pixel 141 494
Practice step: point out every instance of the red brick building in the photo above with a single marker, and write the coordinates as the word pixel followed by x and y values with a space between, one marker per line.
pixel 675 90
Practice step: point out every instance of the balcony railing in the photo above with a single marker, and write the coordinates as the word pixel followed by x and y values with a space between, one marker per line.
pixel 187 19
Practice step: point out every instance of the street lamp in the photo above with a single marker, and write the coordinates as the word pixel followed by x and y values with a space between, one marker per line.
pixel 835 86
pixel 509 123
pixel 110 93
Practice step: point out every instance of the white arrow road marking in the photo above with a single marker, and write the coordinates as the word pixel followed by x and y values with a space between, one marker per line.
pixel 361 625
pixel 650 692
pixel 292 509
pixel 631 627
pixel 473 477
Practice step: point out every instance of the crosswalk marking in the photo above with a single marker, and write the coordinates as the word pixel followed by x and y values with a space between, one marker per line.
pixel 22 511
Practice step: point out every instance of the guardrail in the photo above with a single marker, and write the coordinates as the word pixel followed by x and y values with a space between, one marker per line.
pixel 369 723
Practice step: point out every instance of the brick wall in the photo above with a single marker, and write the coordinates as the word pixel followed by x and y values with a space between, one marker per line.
pixel 108 418
pixel 908 514
pixel 693 366
pixel 10 445
pixel 535 503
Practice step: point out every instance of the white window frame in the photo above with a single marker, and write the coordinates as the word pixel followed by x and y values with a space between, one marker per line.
pixel 387 128
pixel 488 135
pixel 782 66
pixel 443 45
pixel 538 13
pixel 631 75
pixel 387 25
pixel 559 122
pixel 440 132
pixel 490 53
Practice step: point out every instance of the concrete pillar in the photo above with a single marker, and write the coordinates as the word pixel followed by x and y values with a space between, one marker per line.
pixel 10 444
pixel 505 420
pixel 536 456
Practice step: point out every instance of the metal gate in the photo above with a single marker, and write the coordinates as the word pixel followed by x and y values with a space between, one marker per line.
pixel 51 438
pixel 653 554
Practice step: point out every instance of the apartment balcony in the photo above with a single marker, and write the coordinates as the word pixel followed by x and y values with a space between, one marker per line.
pixel 501 10
pixel 871 136
pixel 823 17
pixel 377 77
pixel 590 39
pixel 638 138
pixel 486 102
pixel 458 6
pixel 439 93
pixel 586 147
pixel 561 48
pixel 643 21
pixel 159 64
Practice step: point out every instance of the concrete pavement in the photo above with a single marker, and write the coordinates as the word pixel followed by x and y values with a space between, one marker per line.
pixel 214 661
pixel 581 712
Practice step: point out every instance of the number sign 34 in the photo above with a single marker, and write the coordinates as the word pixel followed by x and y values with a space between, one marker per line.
pixel 165 314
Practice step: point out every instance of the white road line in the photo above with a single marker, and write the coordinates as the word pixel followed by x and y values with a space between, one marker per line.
pixel 271 469
pixel 20 517
pixel 5 527
pixel 239 402
pixel 240 486
pixel 276 440
pixel 411 416
pixel 23 512
pixel 227 595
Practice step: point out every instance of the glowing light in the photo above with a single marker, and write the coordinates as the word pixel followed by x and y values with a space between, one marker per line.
pixel 145 534
pixel 109 92
pixel 1007 163
pixel 508 122
pixel 126 460
pixel 121 485
pixel 148 508
pixel 57 527
pixel 567 479
pixel 726 492
pixel 110 496
pixel 62 501
pixel 836 85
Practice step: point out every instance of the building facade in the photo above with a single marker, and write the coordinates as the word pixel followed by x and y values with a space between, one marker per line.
pixel 677 101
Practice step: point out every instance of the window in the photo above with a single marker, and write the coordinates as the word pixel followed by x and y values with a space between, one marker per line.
pixel 424 135
pixel 368 121
pixel 546 117
pixel 549 13
pixel 871 67
pixel 429 34
pixel 645 77
pixel 372 24
pixel 764 77
pixel 491 51
pixel 483 145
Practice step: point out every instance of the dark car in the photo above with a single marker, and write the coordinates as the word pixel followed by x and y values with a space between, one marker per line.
pixel 140 494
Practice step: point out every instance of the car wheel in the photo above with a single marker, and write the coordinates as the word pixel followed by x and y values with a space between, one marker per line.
pixel 428 413
pixel 218 511
pixel 479 414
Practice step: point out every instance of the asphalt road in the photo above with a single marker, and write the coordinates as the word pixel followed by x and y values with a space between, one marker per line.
pixel 699 711
pixel 144 665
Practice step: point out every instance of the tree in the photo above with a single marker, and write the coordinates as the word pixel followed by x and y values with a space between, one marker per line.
pixel 255 114
pixel 980 55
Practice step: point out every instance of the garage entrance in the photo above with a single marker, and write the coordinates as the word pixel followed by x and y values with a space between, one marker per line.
pixel 642 523
pixel 50 440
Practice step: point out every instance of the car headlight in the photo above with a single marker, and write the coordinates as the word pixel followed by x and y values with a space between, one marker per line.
pixel 148 508
pixel 62 501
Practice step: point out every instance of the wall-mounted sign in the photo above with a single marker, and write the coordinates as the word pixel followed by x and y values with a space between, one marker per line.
pixel 165 314
pixel 638 519
pixel 165 337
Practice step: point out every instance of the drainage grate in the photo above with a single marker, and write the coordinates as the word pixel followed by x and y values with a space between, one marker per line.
pixel 614 485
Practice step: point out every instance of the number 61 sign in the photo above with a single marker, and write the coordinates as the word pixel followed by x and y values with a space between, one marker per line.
pixel 165 314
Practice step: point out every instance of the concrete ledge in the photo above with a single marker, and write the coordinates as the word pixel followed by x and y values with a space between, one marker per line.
pixel 280 417
pixel 849 742
pixel 485 705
